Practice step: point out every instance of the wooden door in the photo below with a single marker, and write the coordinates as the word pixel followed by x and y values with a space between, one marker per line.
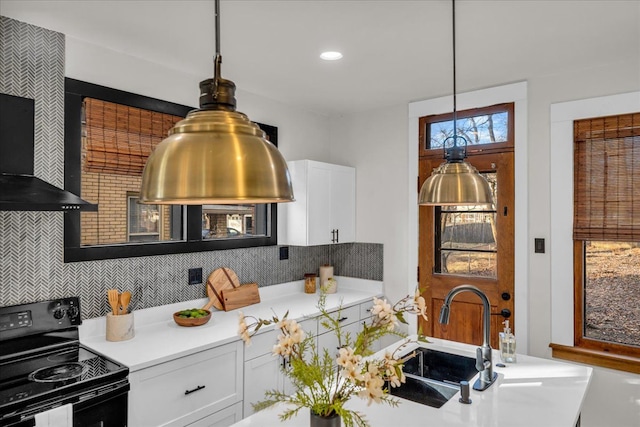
pixel 483 240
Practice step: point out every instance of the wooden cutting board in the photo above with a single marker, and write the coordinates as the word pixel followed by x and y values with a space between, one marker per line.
pixel 242 296
pixel 220 279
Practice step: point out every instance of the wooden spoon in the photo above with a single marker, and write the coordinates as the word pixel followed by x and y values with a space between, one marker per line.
pixel 125 299
pixel 113 296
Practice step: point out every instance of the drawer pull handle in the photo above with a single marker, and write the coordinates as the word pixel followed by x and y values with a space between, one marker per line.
pixel 342 319
pixel 200 387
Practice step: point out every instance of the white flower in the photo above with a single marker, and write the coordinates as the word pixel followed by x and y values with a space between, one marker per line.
pixel 243 330
pixel 392 371
pixel 419 305
pixel 383 310
pixel 373 384
pixel 292 335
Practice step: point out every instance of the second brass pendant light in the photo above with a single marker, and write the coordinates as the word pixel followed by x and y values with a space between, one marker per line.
pixel 455 182
pixel 216 155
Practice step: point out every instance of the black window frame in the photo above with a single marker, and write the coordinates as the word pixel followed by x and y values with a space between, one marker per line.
pixel 75 92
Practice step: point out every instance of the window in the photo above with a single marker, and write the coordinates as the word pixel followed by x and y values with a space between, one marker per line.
pixel 144 222
pixel 607 234
pixel 108 136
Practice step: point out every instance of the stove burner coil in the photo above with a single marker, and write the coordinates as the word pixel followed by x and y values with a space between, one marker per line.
pixel 52 374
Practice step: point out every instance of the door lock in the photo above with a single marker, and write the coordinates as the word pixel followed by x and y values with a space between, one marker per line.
pixel 505 312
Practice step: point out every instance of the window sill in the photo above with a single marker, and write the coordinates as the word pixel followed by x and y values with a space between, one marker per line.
pixel 596 358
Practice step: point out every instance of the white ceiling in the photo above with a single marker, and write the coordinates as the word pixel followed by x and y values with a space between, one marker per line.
pixel 394 51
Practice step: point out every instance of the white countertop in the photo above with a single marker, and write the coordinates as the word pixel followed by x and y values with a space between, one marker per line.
pixel 159 339
pixel 533 392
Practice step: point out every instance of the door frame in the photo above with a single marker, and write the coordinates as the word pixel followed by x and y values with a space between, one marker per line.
pixel 516 93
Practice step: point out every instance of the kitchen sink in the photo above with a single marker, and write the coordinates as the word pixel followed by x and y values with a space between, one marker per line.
pixel 433 377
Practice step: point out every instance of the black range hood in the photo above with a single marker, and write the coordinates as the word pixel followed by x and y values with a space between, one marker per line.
pixel 19 189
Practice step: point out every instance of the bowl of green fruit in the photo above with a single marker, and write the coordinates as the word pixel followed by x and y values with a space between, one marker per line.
pixel 192 317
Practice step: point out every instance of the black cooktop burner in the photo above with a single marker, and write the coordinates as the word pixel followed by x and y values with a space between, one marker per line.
pixel 54 374
pixel 42 375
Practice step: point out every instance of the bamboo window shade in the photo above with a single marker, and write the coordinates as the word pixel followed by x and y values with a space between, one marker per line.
pixel 607 178
pixel 119 138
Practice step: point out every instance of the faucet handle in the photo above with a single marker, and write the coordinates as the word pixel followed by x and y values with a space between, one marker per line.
pixel 480 366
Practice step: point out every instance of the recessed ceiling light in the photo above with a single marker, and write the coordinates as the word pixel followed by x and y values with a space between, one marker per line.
pixel 330 56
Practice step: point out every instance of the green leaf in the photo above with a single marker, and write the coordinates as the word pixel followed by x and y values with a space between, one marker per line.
pixel 400 317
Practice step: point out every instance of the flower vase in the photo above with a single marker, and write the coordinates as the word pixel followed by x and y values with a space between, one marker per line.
pixel 332 420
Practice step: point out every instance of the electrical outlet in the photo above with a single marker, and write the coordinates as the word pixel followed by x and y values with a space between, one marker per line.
pixel 195 276
pixel 284 252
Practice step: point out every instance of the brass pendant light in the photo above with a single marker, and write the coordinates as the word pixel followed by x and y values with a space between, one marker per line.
pixel 455 182
pixel 216 155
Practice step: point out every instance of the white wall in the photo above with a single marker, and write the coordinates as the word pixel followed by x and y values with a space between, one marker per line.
pixel 375 144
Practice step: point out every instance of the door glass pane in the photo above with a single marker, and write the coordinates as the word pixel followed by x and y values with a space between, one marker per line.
pixel 483 129
pixel 468 263
pixel 466 238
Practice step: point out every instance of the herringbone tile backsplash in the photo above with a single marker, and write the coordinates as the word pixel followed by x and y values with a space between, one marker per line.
pixel 31 243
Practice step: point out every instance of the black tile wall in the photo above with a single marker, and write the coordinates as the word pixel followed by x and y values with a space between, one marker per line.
pixel 31 243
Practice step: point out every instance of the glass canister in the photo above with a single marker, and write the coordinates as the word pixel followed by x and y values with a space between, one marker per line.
pixel 310 283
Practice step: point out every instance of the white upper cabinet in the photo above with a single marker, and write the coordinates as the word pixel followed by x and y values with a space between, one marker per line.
pixel 325 208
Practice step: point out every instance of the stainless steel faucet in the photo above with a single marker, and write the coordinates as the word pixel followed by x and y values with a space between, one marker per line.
pixel 483 354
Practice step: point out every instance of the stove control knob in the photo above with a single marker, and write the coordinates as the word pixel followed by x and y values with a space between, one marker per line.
pixel 59 313
pixel 72 311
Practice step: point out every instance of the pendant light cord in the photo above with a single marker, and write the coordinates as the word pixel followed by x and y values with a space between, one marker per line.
pixel 217 25
pixel 217 61
pixel 455 114
pixel 455 153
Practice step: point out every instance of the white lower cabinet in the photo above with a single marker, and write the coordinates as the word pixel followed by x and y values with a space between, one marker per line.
pixel 262 370
pixel 193 390
pixel 261 374
pixel 351 322
pixel 217 387
pixel 223 418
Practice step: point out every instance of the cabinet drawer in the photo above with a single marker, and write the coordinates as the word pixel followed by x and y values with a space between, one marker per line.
pixel 347 315
pixel 177 392
pixel 223 418
pixel 263 343
pixel 365 310
pixel 329 340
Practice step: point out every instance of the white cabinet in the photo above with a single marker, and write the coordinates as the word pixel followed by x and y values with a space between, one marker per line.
pixel 351 321
pixel 325 208
pixel 262 370
pixel 190 390
pixel 223 418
